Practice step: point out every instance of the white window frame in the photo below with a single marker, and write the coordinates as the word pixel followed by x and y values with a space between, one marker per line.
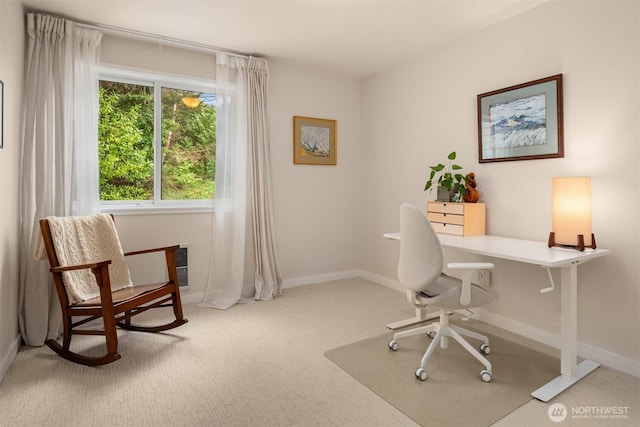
pixel 158 206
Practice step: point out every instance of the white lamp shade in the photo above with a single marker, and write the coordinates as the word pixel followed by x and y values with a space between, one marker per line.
pixel 571 210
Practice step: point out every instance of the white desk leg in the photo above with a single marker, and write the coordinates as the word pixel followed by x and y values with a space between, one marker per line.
pixel 569 321
pixel 569 370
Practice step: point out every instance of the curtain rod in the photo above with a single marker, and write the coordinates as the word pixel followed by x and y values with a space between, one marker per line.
pixel 162 40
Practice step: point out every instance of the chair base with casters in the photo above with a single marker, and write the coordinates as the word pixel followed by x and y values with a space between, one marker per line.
pixel 116 306
pixel 420 271
pixel 440 332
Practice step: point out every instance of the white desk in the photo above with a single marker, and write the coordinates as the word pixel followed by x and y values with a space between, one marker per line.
pixel 538 253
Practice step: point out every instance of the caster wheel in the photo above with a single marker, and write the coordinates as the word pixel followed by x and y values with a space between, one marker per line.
pixel 431 334
pixel 484 348
pixel 393 345
pixel 485 375
pixel 421 374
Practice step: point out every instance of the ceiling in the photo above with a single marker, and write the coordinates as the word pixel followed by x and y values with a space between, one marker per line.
pixel 351 38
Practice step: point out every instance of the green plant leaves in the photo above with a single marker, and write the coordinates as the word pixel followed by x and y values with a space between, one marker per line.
pixel 447 179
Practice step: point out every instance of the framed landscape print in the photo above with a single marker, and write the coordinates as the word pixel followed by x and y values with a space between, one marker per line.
pixel 314 141
pixel 521 122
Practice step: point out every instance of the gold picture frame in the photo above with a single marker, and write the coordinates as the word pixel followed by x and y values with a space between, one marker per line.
pixel 314 141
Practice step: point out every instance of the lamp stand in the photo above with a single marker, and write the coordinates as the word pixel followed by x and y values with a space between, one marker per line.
pixel 580 246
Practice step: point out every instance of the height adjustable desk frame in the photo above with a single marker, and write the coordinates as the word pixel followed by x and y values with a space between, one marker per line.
pixel 537 253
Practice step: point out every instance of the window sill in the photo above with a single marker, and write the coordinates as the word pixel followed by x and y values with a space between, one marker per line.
pixel 158 210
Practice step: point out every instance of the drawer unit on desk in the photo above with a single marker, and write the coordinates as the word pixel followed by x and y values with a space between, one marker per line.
pixel 461 219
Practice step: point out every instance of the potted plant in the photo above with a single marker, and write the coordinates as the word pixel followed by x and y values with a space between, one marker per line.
pixel 448 181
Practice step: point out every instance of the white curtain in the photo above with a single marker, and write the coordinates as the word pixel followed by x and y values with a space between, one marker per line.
pixel 60 135
pixel 267 273
pixel 86 172
pixel 243 265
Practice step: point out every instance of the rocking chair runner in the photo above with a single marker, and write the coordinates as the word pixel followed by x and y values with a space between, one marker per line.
pixel 79 246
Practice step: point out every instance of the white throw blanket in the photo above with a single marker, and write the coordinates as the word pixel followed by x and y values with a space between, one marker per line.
pixel 84 240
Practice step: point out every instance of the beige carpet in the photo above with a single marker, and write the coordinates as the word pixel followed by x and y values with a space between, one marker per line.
pixel 254 365
pixel 263 365
pixel 453 394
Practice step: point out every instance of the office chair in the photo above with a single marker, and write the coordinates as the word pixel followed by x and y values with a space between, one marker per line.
pixel 420 271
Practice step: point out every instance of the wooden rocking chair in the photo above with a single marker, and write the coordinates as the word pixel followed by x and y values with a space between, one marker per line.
pixel 92 281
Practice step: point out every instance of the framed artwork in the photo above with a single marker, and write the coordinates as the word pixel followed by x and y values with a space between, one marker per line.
pixel 314 141
pixel 521 122
pixel 1 114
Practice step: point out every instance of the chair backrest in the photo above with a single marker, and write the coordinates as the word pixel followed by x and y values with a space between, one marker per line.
pixel 421 257
pixel 83 240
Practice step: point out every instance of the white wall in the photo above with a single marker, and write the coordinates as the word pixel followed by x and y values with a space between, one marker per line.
pixel 149 231
pixel 414 115
pixel 316 207
pixel 11 73
pixel 140 55
pixel 329 219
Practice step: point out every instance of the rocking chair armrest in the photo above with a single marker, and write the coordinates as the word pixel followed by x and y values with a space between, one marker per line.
pixel 92 265
pixel 146 251
pixel 170 257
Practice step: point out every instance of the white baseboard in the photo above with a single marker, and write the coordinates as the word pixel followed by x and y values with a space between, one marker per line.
pixel 188 297
pixel 7 360
pixel 320 278
pixel 602 356
pixel 588 351
pixel 381 280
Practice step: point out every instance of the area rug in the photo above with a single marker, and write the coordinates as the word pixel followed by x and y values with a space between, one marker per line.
pixel 453 394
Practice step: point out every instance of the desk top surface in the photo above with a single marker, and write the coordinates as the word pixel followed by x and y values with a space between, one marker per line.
pixel 528 251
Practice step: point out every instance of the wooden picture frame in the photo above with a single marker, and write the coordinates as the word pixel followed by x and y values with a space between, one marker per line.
pixel 314 141
pixel 521 122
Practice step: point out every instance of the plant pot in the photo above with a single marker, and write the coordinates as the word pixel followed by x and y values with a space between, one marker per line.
pixel 452 195
pixel 444 195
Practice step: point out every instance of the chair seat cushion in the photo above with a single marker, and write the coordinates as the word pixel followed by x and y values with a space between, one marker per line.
pixel 123 294
pixel 445 293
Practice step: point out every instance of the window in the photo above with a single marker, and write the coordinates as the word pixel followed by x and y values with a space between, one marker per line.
pixel 156 141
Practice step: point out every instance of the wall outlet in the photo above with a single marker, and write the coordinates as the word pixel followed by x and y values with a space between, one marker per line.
pixel 484 277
